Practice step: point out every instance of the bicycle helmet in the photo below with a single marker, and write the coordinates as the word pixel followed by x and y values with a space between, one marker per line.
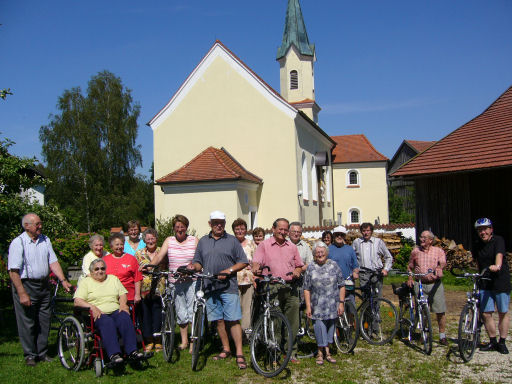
pixel 483 222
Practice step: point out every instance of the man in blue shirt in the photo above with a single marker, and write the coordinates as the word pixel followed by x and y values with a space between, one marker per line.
pixel 31 258
pixel 345 256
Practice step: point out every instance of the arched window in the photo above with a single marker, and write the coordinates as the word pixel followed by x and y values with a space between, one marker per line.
pixel 353 178
pixel 354 216
pixel 305 194
pixel 314 181
pixel 294 79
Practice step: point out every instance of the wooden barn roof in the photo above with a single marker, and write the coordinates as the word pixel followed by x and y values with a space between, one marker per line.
pixel 484 142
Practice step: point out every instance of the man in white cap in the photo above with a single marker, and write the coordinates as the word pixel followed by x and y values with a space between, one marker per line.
pixel 221 253
pixel 345 256
pixel 494 293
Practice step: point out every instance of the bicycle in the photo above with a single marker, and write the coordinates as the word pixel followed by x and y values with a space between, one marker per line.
pixel 346 332
pixel 271 340
pixel 305 334
pixel 167 331
pixel 414 313
pixel 470 322
pixel 378 320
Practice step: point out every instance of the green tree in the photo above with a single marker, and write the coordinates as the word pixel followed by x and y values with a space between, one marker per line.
pixel 397 211
pixel 91 155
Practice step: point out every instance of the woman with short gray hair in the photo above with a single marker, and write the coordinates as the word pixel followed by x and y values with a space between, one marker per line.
pixel 324 293
pixel 96 244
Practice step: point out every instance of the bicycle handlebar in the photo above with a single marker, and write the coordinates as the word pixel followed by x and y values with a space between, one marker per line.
pixel 469 275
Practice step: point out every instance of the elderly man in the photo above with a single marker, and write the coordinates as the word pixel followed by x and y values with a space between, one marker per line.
pixel 490 254
pixel 283 259
pixel 345 256
pixel 304 249
pixel 427 258
pixel 370 251
pixel 31 257
pixel 221 253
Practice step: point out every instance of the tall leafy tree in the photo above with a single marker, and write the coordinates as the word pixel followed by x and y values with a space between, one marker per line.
pixel 91 154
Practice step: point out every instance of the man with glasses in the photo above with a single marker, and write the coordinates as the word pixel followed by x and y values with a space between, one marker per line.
pixel 303 247
pixel 31 258
pixel 221 253
pixel 490 253
pixel 283 259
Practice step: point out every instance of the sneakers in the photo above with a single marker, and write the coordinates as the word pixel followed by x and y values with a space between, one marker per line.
pixel 45 359
pixel 116 359
pixel 489 347
pixel 30 362
pixel 135 356
pixel 502 348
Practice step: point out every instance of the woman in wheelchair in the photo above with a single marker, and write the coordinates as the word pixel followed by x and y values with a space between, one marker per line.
pixel 105 297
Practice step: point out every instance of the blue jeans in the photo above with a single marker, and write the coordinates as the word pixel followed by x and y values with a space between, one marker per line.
pixel 324 332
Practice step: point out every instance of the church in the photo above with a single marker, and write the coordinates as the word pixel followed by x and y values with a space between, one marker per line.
pixel 228 141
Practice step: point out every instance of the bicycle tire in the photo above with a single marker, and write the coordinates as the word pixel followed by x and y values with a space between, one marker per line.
pixel 359 300
pixel 426 328
pixel 380 327
pixel 468 333
pixel 270 351
pixel 346 332
pixel 198 333
pixel 306 345
pixel 71 344
pixel 406 321
pixel 168 332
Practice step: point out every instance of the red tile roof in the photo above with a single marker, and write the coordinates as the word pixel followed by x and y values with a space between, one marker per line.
pixel 419 146
pixel 210 165
pixel 354 149
pixel 484 142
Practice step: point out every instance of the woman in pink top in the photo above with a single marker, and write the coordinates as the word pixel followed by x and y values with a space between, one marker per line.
pixel 180 250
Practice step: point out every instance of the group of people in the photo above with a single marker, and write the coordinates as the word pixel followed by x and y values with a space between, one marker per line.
pixel 110 280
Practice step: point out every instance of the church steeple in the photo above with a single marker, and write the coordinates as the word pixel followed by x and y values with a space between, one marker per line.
pixel 296 57
pixel 295 32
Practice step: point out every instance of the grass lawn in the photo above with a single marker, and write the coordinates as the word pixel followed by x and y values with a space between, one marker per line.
pixel 395 363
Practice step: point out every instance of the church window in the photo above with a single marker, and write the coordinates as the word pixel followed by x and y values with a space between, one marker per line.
pixel 294 80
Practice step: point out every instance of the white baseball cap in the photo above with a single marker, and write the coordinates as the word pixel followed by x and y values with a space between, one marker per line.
pixel 217 215
pixel 340 228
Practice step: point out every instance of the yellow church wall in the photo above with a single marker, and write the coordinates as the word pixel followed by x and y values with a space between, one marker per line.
pixel 370 197
pixel 222 108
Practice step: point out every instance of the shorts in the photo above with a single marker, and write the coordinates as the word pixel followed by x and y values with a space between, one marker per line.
pixel 491 299
pixel 223 306
pixel 437 303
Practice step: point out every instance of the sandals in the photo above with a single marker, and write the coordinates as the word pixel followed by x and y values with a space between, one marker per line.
pixel 158 348
pixel 241 364
pixel 319 359
pixel 222 356
pixel 330 359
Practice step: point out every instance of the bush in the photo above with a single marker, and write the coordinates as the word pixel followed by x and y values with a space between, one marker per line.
pixel 402 257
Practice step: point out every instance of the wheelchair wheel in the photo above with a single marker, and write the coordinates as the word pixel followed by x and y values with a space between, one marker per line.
pixel 98 367
pixel 71 344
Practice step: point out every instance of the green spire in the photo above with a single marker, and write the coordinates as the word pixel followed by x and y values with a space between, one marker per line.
pixel 295 32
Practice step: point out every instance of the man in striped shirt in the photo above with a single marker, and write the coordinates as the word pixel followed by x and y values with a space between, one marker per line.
pixel 427 258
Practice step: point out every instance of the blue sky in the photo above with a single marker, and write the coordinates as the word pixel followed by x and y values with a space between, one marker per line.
pixel 392 70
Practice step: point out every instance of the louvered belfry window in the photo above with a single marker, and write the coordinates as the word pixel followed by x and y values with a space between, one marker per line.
pixel 294 80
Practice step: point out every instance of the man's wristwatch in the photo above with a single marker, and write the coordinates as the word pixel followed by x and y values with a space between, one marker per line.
pixel 231 270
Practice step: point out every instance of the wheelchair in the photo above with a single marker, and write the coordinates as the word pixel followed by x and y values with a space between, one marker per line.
pixel 79 343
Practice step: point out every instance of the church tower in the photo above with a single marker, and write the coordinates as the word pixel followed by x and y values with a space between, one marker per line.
pixel 296 59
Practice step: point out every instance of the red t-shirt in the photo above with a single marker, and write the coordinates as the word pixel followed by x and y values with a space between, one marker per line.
pixel 126 268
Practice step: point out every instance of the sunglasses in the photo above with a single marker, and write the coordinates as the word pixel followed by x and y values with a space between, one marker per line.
pixel 99 269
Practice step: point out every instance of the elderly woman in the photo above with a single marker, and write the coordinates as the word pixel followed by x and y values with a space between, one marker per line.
pixel 124 266
pixel 327 238
pixel 324 293
pixel 258 235
pixel 180 250
pixel 134 242
pixel 150 292
pixel 96 244
pixel 105 297
pixel 245 277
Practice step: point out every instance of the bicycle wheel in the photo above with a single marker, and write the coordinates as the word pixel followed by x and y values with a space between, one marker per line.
pixel 425 328
pixel 468 338
pixel 306 345
pixel 406 321
pixel 359 301
pixel 271 344
pixel 197 335
pixel 71 344
pixel 378 322
pixel 168 335
pixel 346 332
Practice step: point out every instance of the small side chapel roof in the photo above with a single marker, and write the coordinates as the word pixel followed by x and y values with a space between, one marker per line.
pixel 354 149
pixel 295 32
pixel 210 165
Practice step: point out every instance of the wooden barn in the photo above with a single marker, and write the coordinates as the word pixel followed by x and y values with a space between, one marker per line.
pixel 466 175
